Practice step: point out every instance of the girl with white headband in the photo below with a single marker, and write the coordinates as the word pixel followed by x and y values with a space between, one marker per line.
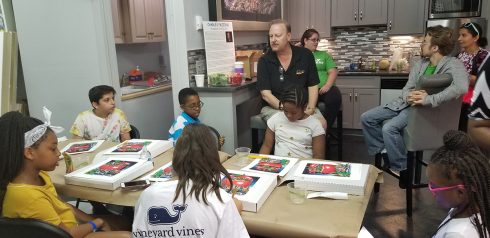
pixel 29 149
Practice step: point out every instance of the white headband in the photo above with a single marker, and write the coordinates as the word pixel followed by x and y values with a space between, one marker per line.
pixel 37 132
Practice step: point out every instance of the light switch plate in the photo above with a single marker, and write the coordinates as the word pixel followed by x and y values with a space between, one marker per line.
pixel 198 23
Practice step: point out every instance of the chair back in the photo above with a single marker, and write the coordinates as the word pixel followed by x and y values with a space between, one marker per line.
pixel 28 228
pixel 216 136
pixel 427 125
pixel 134 133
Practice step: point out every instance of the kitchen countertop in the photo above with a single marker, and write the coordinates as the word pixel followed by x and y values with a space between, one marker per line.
pixel 227 89
pixel 147 91
pixel 375 73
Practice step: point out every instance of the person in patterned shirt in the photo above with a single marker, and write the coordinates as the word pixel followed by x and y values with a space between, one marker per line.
pixel 479 113
pixel 472 56
pixel 104 121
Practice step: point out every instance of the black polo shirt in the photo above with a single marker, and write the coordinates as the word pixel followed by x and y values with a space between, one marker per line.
pixel 301 72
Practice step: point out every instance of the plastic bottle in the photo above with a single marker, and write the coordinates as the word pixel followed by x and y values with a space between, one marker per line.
pixel 145 154
pixel 136 74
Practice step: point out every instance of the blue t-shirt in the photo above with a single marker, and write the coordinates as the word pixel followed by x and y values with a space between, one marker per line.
pixel 180 122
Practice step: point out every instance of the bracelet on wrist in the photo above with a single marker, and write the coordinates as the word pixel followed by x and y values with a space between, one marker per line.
pixel 94 226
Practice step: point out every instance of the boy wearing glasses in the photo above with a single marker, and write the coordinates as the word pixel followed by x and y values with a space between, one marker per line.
pixel 191 104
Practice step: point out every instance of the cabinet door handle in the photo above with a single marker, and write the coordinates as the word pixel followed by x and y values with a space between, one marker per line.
pixel 350 97
pixel 355 96
pixel 360 15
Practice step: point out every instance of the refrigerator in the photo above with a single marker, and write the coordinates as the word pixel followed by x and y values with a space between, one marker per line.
pixel 455 24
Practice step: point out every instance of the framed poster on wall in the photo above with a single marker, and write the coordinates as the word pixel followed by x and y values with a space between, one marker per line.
pixel 246 15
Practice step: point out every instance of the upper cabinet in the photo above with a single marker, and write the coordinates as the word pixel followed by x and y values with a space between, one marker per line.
pixel 138 21
pixel 359 12
pixel 407 17
pixel 117 21
pixel 307 14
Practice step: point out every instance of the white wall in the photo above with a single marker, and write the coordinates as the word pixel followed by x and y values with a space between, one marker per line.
pixel 192 8
pixel 67 47
pixel 142 112
pixel 145 55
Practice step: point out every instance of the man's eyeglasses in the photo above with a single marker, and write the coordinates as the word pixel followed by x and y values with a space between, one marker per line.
pixel 314 40
pixel 471 25
pixel 195 106
pixel 435 190
pixel 281 74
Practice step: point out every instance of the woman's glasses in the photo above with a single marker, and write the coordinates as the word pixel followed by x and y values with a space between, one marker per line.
pixel 434 191
pixel 470 24
pixel 195 106
pixel 314 40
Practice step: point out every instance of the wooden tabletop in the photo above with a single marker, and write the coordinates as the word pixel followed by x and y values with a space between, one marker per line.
pixel 278 217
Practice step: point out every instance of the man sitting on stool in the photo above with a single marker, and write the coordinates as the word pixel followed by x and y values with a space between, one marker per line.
pixel 387 139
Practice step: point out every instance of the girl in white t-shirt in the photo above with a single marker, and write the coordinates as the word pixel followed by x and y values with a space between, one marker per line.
pixel 459 179
pixel 195 205
pixel 294 133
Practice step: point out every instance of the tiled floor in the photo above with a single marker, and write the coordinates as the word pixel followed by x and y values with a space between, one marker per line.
pixel 385 215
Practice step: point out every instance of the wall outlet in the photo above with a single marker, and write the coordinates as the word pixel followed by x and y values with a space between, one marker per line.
pixel 200 66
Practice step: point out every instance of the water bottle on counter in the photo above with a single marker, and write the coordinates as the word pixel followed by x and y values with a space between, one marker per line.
pixel 145 154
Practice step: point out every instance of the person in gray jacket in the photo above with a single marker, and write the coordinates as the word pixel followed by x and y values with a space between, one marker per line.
pixel 387 139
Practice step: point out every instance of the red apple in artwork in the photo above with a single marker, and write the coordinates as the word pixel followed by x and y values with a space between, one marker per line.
pixel 168 170
pixel 328 168
pixel 242 181
pixel 270 164
pixel 322 168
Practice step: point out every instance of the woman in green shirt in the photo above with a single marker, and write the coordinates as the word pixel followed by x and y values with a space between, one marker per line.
pixel 329 94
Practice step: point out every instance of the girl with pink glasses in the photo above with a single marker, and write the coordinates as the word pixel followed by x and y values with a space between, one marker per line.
pixel 459 179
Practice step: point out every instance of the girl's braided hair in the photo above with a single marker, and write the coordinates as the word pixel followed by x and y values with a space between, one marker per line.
pixel 460 158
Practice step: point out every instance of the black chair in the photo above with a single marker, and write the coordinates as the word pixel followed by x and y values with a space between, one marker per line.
pixel 217 137
pixel 334 133
pixel 134 133
pixel 28 228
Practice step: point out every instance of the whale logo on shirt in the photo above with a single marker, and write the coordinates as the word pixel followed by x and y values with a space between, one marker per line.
pixel 162 216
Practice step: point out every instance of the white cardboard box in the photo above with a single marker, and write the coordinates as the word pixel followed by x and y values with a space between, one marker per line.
pixel 109 173
pixel 331 182
pixel 161 174
pixel 156 147
pixel 271 160
pixel 85 146
pixel 260 189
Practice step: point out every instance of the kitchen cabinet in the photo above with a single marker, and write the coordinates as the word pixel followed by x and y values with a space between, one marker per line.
pixel 359 94
pixel 138 21
pixel 359 12
pixel 407 17
pixel 307 14
pixel 117 21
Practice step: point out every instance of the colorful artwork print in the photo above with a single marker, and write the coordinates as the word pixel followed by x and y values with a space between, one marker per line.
pixel 340 170
pixel 82 147
pixel 163 173
pixel 131 147
pixel 241 183
pixel 271 165
pixel 111 168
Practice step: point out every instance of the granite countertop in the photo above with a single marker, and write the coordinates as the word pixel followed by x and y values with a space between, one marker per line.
pixel 374 73
pixel 135 93
pixel 227 89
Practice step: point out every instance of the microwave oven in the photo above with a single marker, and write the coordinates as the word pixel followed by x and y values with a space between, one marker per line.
pixel 454 8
